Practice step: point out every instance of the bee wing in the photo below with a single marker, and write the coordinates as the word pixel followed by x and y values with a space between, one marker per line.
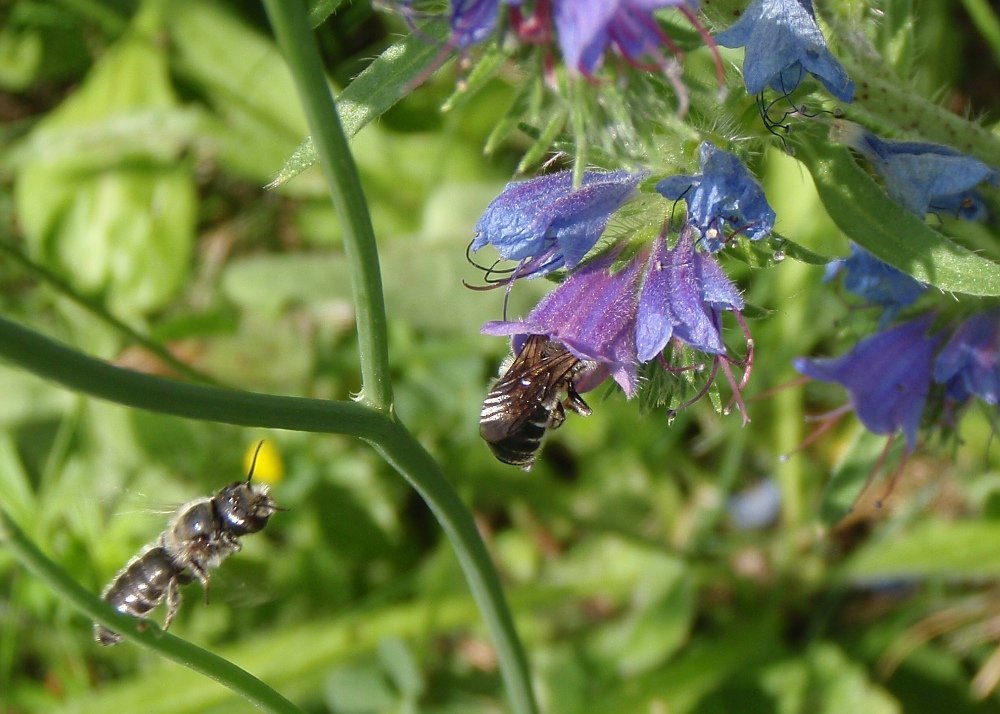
pixel 533 380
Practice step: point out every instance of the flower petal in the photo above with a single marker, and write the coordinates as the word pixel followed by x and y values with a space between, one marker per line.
pixel 783 42
pixel 888 377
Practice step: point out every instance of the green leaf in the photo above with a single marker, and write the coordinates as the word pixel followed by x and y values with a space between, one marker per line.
pixel 932 548
pixel 842 494
pixel 824 681
pixel 321 10
pixel 359 689
pixel 866 215
pixel 386 80
pixel 113 217
pixel 255 119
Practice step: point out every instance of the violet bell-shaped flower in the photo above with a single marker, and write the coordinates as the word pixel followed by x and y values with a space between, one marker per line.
pixel 724 196
pixel 887 375
pixel 620 318
pixel 922 177
pixel 681 296
pixel 547 224
pixel 472 21
pixel 783 43
pixel 970 363
pixel 876 281
pixel 587 29
pixel 592 314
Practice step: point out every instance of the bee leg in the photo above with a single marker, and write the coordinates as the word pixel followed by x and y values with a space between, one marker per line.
pixel 232 542
pixel 173 602
pixel 203 577
pixel 557 416
pixel 575 402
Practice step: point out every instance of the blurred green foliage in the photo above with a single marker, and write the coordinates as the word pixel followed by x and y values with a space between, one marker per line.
pixel 136 137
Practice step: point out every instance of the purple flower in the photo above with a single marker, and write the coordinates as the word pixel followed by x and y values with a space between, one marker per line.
pixel 548 224
pixel 875 281
pixel 681 297
pixel 970 362
pixel 783 43
pixel 887 376
pixel 724 196
pixel 922 177
pixel 587 29
pixel 619 318
pixel 592 314
pixel 472 21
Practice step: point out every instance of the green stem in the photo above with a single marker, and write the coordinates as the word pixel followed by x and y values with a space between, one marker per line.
pixel 58 363
pixel 410 459
pixel 211 665
pixel 294 35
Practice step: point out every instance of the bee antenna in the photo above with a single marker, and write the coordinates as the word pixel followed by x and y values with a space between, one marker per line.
pixel 253 463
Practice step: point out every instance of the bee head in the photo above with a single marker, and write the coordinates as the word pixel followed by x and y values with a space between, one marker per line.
pixel 244 507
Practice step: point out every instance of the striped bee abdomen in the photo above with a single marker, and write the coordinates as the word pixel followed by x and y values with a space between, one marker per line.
pixel 138 588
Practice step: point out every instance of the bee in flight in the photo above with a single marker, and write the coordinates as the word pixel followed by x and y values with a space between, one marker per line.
pixel 530 398
pixel 202 534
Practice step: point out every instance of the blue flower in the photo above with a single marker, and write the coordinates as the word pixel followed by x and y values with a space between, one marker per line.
pixel 548 224
pixel 970 362
pixel 877 282
pixel 967 205
pixel 783 43
pixel 887 375
pixel 681 296
pixel 922 177
pixel 587 29
pixel 723 197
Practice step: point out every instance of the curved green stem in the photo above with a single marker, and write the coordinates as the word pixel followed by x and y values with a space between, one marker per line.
pixel 211 665
pixel 294 35
pixel 412 461
pixel 58 363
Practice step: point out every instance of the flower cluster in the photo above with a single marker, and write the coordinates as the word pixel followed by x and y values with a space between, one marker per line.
pixel 891 374
pixel 625 306
pixel 894 375
pixel 643 295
